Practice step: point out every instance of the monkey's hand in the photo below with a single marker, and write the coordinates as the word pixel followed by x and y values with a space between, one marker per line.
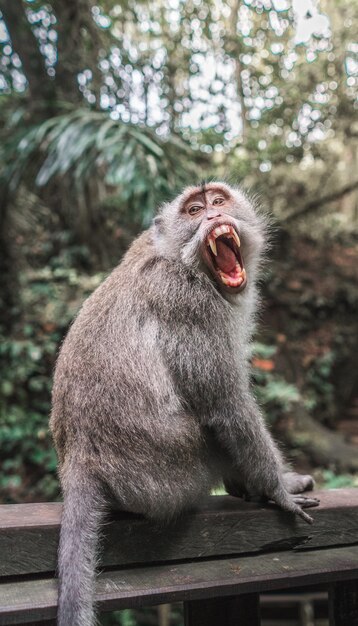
pixel 287 495
pixel 293 503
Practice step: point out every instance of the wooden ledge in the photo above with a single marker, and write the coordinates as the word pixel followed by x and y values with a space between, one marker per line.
pixel 25 601
pixel 223 526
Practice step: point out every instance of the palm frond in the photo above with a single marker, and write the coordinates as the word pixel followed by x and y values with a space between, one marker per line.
pixel 83 145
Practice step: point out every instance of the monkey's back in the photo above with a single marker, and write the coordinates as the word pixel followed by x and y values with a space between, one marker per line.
pixel 115 406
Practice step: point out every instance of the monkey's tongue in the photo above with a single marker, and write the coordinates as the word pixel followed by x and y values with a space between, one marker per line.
pixel 225 259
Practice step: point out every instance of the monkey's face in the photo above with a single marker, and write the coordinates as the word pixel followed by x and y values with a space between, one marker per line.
pixel 210 212
pixel 213 229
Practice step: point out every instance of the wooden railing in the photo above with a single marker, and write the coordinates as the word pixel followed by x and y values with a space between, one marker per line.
pixel 216 560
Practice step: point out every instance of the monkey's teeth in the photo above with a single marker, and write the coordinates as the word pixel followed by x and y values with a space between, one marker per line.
pixel 225 229
pixel 212 244
pixel 231 282
pixel 236 237
pixel 243 274
pixel 220 230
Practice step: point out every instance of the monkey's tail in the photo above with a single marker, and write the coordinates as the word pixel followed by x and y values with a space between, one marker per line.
pixel 83 512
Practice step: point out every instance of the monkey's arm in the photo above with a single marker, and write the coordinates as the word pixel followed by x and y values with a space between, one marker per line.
pixel 255 456
pixel 216 389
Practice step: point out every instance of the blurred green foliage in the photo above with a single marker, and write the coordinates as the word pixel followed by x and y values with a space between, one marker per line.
pixel 334 481
pixel 121 105
pixel 319 381
pixel 149 616
pixel 28 459
pixel 273 392
pixel 127 617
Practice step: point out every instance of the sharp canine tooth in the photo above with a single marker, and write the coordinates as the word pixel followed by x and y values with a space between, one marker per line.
pixel 212 244
pixel 237 238
pixel 243 273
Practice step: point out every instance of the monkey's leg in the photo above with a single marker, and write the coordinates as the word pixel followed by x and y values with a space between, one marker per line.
pixel 298 483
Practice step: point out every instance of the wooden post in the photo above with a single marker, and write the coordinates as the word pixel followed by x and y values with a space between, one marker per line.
pixel 343 603
pixel 243 610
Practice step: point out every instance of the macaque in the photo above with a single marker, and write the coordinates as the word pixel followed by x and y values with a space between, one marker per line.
pixel 152 405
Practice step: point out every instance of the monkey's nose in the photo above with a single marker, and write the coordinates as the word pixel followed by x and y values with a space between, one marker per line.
pixel 211 215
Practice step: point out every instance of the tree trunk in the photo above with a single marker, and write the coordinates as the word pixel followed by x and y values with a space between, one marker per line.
pixel 9 287
pixel 41 103
pixel 24 43
pixel 235 51
pixel 77 48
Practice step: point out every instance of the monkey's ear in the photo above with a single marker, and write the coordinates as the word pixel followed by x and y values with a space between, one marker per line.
pixel 159 224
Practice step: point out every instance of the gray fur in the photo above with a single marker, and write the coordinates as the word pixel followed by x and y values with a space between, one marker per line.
pixel 151 400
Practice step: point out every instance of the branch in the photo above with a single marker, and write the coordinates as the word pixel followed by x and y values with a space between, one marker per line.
pixel 315 204
pixel 324 447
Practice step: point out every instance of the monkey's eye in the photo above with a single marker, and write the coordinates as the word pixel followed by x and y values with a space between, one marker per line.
pixel 195 208
pixel 219 200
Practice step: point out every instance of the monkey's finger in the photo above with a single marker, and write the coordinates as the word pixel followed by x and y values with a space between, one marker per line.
pixel 293 507
pixel 306 502
pixel 291 503
pixel 307 518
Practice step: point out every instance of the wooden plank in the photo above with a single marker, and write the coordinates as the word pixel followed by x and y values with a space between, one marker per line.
pixel 48 622
pixel 222 526
pixel 158 584
pixel 343 603
pixel 241 610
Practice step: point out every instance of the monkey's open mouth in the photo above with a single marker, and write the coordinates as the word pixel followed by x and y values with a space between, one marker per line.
pixel 223 248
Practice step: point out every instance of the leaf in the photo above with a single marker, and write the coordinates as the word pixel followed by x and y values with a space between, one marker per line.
pixel 148 143
pixel 7 388
pixel 262 350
